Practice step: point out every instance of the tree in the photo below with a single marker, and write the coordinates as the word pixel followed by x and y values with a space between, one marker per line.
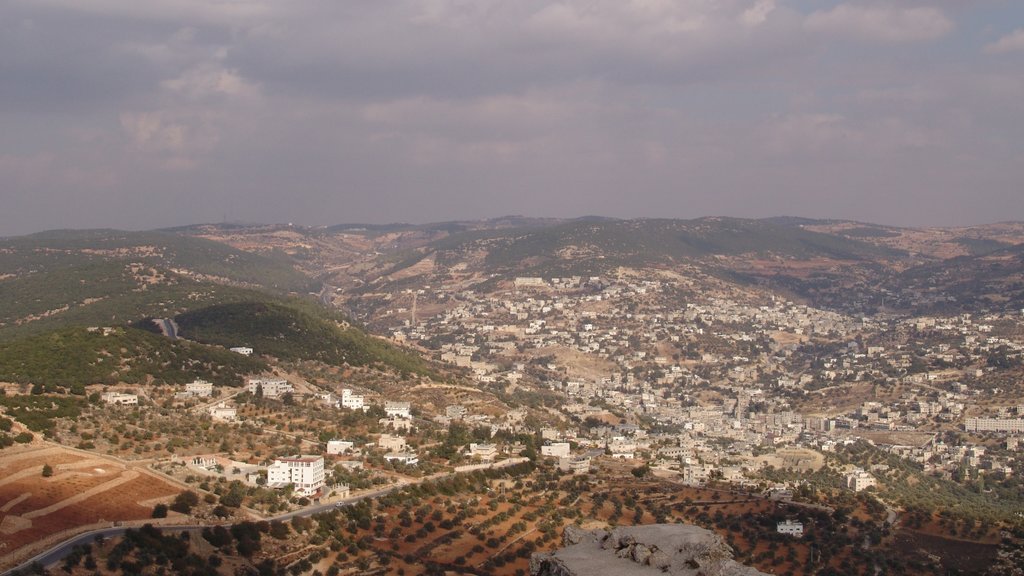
pixel 185 501
pixel 160 511
pixel 47 470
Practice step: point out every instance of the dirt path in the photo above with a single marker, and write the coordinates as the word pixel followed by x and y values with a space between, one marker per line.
pixel 125 477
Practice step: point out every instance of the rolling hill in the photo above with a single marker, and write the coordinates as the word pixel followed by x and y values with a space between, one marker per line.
pixel 102 277
pixel 72 357
pixel 288 332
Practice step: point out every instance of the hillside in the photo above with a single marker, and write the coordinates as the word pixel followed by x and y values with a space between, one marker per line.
pixel 993 280
pixel 74 357
pixel 290 333
pixel 738 251
pixel 102 277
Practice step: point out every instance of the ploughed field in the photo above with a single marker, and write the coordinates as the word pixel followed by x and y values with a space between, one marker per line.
pixel 83 491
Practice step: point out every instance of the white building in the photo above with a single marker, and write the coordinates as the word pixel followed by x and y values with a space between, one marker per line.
pixel 395 409
pixel 200 388
pixel 575 464
pixel 697 474
pixel 406 458
pixel 1011 425
pixel 858 480
pixel 243 350
pixel 555 450
pixel 223 412
pixel 622 447
pixel 486 452
pixel 121 398
pixel 351 400
pixel 339 446
pixel 391 443
pixel 305 473
pixel 790 528
pixel 271 387
pixel 455 412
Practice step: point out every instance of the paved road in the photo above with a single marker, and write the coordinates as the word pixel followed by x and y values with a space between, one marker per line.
pixel 58 552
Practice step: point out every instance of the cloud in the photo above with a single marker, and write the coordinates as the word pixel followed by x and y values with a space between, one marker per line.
pixel 436 109
pixel 881 23
pixel 1013 42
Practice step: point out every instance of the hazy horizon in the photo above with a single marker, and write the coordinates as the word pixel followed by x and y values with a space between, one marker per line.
pixel 483 219
pixel 130 115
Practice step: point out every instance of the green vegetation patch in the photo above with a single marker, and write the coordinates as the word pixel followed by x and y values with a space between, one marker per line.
pixel 290 333
pixel 104 277
pixel 74 357
pixel 38 412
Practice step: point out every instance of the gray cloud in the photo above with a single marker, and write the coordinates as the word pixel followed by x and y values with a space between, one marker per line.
pixel 143 114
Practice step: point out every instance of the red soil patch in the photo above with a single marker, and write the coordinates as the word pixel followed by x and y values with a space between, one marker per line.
pixel 26 493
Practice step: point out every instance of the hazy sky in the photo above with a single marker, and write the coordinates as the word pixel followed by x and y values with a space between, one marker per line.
pixel 148 113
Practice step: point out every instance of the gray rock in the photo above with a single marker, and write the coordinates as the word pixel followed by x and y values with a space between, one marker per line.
pixel 673 549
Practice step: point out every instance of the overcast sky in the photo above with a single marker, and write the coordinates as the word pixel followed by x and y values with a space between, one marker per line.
pixel 149 113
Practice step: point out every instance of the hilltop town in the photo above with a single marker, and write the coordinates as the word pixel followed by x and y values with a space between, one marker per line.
pixel 644 391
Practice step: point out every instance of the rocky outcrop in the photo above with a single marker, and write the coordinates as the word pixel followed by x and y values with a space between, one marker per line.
pixel 673 549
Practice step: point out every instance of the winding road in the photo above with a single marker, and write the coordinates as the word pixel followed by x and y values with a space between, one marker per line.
pixel 58 552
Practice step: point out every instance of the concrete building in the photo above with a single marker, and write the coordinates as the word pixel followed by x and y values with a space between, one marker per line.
pixel 486 452
pixel 223 412
pixel 575 464
pixel 406 458
pixel 121 399
pixel 858 480
pixel 199 388
pixel 395 409
pixel 335 447
pixel 555 450
pixel 790 528
pixel 243 350
pixel 305 473
pixel 1011 425
pixel 351 400
pixel 391 443
pixel 271 387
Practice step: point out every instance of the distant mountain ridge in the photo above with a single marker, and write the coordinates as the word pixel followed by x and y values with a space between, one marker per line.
pixel 99 277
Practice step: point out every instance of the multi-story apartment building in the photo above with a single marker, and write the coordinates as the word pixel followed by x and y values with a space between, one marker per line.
pixel 305 473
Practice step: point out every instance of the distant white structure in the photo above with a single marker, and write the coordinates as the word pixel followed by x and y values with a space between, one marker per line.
pixel 486 452
pixel 271 387
pixel 351 400
pixel 575 464
pixel 397 424
pixel 1011 425
pixel 243 350
pixel 555 450
pixel 407 458
pixel 529 282
pixel 224 412
pixel 395 409
pixel 858 480
pixel 121 399
pixel 455 412
pixel 339 446
pixel 790 528
pixel 622 447
pixel 697 474
pixel 391 443
pixel 199 388
pixel 339 491
pixel 305 473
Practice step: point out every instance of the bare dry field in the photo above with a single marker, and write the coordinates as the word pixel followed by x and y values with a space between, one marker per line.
pixel 83 490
